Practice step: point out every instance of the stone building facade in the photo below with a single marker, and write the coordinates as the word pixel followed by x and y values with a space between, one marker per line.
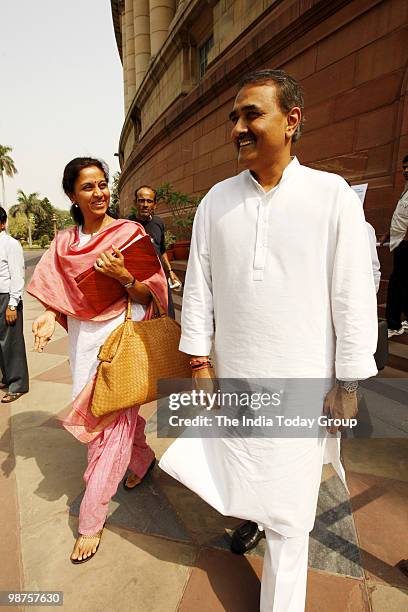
pixel 182 60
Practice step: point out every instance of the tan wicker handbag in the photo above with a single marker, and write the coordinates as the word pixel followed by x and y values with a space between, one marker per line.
pixel 135 356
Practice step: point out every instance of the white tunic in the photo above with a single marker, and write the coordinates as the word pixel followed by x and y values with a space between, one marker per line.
pixel 85 338
pixel 285 277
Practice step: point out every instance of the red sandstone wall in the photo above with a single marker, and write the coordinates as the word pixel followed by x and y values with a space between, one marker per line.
pixel 353 66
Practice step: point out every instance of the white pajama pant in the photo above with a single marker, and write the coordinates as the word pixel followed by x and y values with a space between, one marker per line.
pixel 284 575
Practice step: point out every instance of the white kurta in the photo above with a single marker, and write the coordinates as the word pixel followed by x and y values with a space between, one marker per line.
pixel 286 278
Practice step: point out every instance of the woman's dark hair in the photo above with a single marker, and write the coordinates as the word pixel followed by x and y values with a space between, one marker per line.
pixel 3 215
pixel 70 176
pixel 288 91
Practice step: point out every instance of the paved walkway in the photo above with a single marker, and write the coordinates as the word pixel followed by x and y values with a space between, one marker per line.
pixel 164 549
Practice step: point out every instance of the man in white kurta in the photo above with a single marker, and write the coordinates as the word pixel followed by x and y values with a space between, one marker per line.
pixel 279 279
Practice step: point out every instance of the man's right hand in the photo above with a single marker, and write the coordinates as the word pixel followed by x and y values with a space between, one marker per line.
pixel 43 329
pixel 11 316
pixel 205 380
pixel 204 373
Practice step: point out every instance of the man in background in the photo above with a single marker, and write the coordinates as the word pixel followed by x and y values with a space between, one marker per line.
pixel 397 296
pixel 13 360
pixel 145 205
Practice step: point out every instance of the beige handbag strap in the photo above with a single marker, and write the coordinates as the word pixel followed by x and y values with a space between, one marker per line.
pixel 157 304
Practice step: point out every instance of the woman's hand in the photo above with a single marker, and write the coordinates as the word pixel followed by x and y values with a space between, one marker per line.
pixel 43 329
pixel 113 266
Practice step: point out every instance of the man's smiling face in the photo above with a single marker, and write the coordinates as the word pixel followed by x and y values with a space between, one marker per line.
pixel 260 128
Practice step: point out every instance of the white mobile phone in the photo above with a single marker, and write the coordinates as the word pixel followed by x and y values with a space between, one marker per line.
pixel 176 286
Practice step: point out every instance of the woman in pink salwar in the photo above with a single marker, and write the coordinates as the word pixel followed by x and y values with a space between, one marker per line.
pixel 116 441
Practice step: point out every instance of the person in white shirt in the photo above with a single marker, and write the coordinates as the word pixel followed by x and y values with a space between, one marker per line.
pixel 277 231
pixel 375 262
pixel 13 360
pixel 397 295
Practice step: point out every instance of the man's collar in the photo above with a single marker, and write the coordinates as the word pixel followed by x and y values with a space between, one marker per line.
pixel 139 220
pixel 290 169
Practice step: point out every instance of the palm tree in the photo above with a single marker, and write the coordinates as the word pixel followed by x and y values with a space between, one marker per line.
pixel 7 167
pixel 28 205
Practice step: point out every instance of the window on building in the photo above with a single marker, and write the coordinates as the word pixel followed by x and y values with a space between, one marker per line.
pixel 203 52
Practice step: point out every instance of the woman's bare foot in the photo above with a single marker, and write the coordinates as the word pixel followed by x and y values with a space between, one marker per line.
pixel 85 547
pixel 132 481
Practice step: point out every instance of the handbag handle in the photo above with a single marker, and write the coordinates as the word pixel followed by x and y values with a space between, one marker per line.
pixel 157 304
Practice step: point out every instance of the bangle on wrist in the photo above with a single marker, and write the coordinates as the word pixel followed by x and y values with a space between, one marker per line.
pixel 130 283
pixel 204 366
pixel 200 364
pixel 198 360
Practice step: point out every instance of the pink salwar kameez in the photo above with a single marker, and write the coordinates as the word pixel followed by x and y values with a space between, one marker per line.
pixel 117 441
pixel 121 445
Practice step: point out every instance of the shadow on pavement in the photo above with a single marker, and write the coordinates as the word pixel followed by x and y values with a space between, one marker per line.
pixel 60 459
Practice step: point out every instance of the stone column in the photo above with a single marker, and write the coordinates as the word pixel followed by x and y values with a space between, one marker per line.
pixel 161 14
pixel 130 51
pixel 124 59
pixel 141 20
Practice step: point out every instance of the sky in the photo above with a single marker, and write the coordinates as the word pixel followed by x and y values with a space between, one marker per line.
pixel 61 90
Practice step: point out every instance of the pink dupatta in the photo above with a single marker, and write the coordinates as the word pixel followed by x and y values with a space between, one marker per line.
pixel 53 284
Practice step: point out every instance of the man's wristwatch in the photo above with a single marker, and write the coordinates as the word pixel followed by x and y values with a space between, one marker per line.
pixel 350 386
pixel 11 307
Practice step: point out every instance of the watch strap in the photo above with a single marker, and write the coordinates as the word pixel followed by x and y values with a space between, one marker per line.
pixel 350 386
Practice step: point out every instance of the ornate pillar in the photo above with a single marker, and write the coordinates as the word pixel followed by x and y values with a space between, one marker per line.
pixel 130 51
pixel 141 20
pixel 124 59
pixel 161 15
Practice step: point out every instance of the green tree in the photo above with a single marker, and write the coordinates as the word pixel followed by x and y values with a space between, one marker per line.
pixel 43 221
pixel 183 208
pixel 7 167
pixel 64 218
pixel 28 205
pixel 114 200
pixel 18 227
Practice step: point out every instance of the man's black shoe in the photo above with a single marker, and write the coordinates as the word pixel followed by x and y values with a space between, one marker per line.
pixel 246 537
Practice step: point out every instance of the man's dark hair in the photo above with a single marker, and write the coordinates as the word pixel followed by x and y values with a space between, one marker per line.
pixel 289 92
pixel 146 187
pixel 405 160
pixel 3 215
pixel 70 176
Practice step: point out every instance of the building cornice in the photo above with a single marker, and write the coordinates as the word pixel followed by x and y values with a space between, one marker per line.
pixel 117 7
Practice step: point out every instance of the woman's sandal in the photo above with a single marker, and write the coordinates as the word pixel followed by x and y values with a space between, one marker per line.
pixel 126 486
pixel 87 537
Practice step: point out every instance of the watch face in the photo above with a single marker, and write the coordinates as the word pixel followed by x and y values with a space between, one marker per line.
pixel 351 386
pixel 12 307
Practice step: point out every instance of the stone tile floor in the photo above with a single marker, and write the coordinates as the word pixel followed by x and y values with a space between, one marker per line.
pixel 163 548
